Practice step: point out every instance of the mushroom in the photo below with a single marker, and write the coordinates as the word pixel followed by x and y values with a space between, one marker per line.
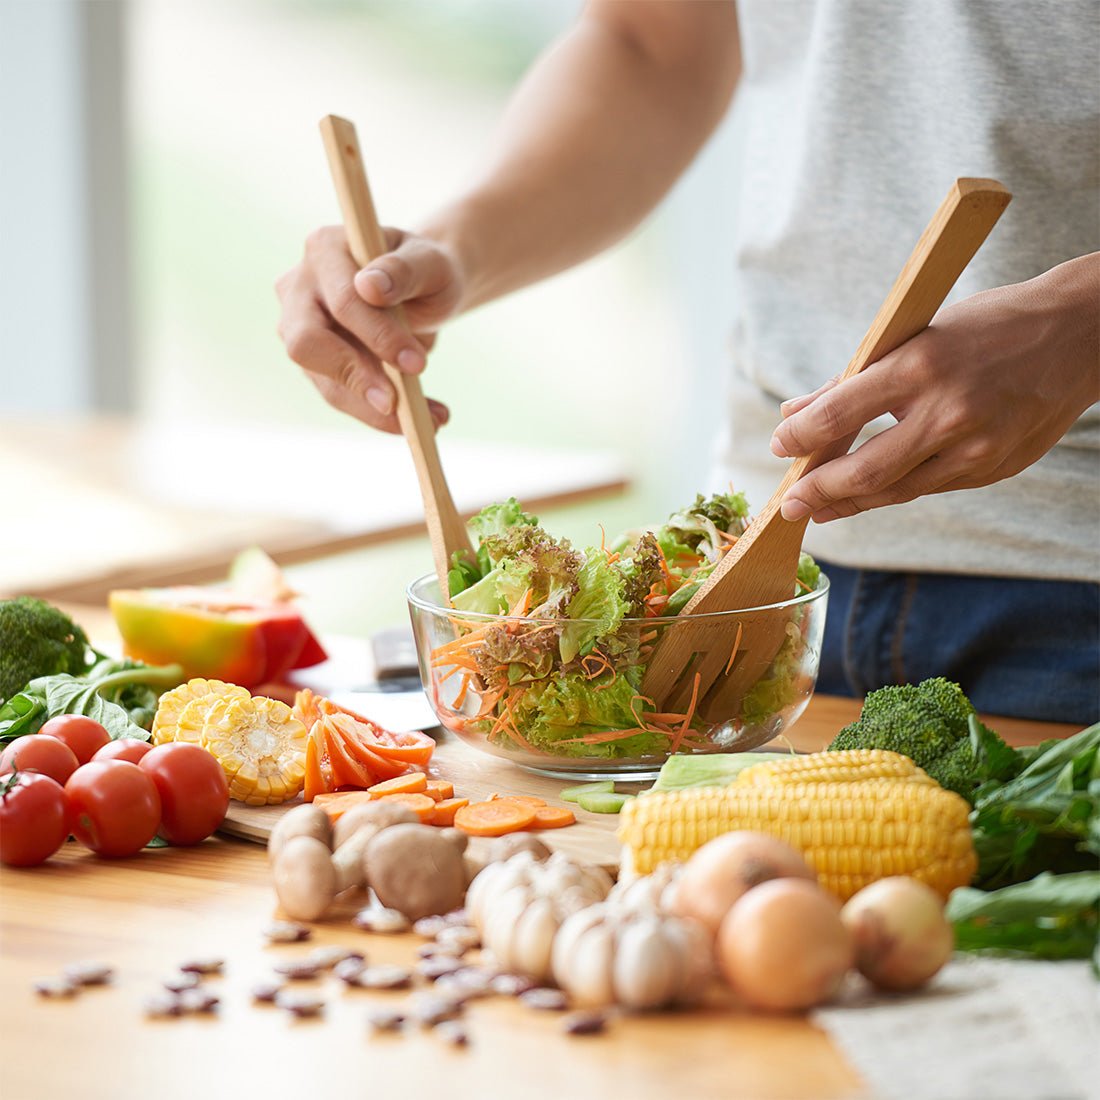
pixel 305 878
pixel 304 820
pixel 352 840
pixel 417 869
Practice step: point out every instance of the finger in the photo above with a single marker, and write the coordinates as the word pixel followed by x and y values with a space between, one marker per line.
pixel 928 477
pixel 789 408
pixel 354 403
pixel 440 413
pixel 838 413
pixel 866 471
pixel 379 331
pixel 416 268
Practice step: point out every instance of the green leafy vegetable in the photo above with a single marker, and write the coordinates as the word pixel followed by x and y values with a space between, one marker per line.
pixel 598 608
pixel 37 639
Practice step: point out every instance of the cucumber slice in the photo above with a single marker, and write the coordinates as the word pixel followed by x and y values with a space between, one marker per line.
pixel 603 802
pixel 574 794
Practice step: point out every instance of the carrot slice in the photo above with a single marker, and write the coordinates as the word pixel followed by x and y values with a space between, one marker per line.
pixel 413 783
pixel 495 817
pixel 553 817
pixel 526 799
pixel 420 804
pixel 439 789
pixel 446 809
pixel 346 770
pixel 315 783
pixel 337 803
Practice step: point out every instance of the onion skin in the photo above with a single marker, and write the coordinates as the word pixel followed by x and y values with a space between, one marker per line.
pixel 783 947
pixel 901 935
pixel 723 870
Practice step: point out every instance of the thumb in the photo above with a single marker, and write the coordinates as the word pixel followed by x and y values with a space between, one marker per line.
pixel 415 269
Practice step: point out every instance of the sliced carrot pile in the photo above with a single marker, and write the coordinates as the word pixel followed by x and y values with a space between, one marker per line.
pixel 420 804
pixel 337 803
pixel 495 817
pixel 439 789
pixel 446 808
pixel 553 817
pixel 413 783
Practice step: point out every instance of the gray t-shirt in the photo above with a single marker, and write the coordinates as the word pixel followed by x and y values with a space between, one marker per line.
pixel 858 114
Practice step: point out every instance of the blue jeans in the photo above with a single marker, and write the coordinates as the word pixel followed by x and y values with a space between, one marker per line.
pixel 1024 648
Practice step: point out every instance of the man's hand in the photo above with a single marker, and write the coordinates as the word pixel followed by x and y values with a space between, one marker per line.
pixel 336 322
pixel 982 393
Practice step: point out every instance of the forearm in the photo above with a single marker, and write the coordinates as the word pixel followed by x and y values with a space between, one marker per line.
pixel 596 134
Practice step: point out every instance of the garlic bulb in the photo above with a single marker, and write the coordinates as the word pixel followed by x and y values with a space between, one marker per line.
pixel 650 893
pixel 637 958
pixel 519 904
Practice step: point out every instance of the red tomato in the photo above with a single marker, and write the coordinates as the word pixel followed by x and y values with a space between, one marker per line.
pixel 115 807
pixel 34 818
pixel 40 753
pixel 123 748
pixel 83 735
pixel 193 791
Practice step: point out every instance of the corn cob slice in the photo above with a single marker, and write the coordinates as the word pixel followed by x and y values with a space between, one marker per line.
pixel 851 834
pixel 261 747
pixel 845 766
pixel 166 722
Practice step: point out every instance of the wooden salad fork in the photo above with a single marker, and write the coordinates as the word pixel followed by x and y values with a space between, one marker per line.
pixel 446 528
pixel 715 662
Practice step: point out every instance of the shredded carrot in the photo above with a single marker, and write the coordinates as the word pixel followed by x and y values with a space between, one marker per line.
pixel 420 804
pixel 495 817
pixel 413 783
pixel 460 698
pixel 604 737
pixel 679 736
pixel 736 647
pixel 553 817
pixel 446 809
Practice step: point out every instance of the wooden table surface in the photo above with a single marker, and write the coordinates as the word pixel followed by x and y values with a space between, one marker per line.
pixel 147 914
pixel 159 503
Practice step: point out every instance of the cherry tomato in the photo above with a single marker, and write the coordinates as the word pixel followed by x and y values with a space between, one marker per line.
pixel 83 735
pixel 193 791
pixel 115 807
pixel 123 748
pixel 40 753
pixel 34 818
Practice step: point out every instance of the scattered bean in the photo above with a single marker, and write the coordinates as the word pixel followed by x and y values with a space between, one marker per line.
pixel 162 1005
pixel 430 926
pixel 436 966
pixel 287 931
pixel 511 985
pixel 88 973
pixel 545 999
pixel 55 987
pixel 198 1000
pixel 266 991
pixel 457 939
pixel 385 922
pixel 177 983
pixel 457 916
pixel 429 1009
pixel 300 1004
pixel 349 969
pixel 297 969
pixel 383 977
pixel 464 985
pixel 203 966
pixel 325 958
pixel 584 1023
pixel 386 1019
pixel 452 1032
pixel 426 950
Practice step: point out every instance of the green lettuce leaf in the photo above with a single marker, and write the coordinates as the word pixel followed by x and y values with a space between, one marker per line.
pixel 598 607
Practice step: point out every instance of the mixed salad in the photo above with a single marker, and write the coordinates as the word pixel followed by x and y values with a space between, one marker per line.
pixel 562 673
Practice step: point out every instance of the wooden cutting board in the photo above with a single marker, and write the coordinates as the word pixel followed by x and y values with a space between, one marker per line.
pixel 476 776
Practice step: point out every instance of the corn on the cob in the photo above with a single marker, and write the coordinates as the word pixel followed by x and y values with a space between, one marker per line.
pixel 850 833
pixel 845 766
pixel 261 747
pixel 173 704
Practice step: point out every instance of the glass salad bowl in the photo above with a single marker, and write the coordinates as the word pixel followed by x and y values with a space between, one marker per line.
pixel 520 688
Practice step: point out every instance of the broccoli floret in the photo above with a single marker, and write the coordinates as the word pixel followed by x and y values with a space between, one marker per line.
pixel 37 639
pixel 928 722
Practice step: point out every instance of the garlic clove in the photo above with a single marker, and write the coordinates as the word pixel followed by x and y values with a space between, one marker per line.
pixel 499 934
pixel 646 970
pixel 533 939
pixel 587 972
pixel 696 954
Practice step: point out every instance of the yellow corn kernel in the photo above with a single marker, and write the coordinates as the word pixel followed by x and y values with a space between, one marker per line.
pixel 261 747
pixel 847 765
pixel 850 833
pixel 166 722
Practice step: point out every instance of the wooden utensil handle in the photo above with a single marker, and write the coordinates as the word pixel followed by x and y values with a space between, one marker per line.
pixel 366 241
pixel 955 233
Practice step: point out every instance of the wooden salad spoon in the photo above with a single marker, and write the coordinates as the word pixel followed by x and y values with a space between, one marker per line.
pixel 446 528
pixel 717 661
